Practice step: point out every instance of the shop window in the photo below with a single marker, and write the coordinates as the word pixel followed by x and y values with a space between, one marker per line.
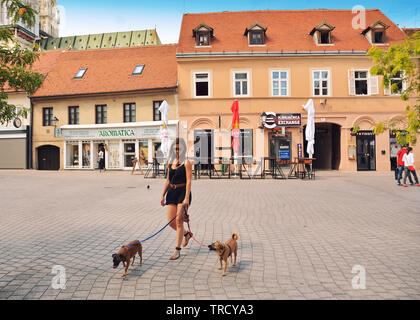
pixel 47 115
pixel 114 155
pixel 129 112
pixel 101 114
pixel 245 151
pixel 321 80
pixel 241 83
pixel 129 154
pixel 143 152
pixel 280 83
pixel 201 84
pixel 86 153
pixel 74 115
pixel 156 113
pixel 72 154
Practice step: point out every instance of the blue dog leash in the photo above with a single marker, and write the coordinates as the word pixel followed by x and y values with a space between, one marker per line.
pixel 133 244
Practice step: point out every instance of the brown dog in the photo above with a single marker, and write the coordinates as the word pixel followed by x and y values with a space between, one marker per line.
pixel 225 250
pixel 126 253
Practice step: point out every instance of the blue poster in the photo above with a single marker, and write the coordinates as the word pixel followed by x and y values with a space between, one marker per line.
pixel 284 154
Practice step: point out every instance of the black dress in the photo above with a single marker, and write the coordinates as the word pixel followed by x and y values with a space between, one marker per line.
pixel 177 176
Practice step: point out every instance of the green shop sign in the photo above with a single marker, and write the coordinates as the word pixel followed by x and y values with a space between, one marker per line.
pixel 117 133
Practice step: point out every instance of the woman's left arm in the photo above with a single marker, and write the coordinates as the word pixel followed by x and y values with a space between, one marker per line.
pixel 188 171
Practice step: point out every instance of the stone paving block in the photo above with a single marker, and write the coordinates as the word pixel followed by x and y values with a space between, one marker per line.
pixel 303 252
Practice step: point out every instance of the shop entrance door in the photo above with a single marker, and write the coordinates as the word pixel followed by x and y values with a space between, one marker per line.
pixel 366 157
pixel 280 148
pixel 48 158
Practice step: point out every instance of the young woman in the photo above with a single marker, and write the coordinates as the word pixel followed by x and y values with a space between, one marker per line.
pixel 409 169
pixel 178 192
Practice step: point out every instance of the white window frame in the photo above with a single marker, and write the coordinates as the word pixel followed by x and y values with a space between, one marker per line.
pixel 279 80
pixel 388 92
pixel 372 83
pixel 209 77
pixel 320 79
pixel 248 79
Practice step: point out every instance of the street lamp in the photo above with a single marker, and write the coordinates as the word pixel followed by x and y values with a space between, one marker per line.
pixel 54 123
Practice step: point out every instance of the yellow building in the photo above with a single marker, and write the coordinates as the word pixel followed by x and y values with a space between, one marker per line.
pixel 272 62
pixel 104 97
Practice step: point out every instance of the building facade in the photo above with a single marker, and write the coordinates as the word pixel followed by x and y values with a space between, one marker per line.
pixel 273 62
pixel 104 98
pixel 15 136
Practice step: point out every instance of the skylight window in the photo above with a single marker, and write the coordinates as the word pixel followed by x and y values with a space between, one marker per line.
pixel 80 73
pixel 138 69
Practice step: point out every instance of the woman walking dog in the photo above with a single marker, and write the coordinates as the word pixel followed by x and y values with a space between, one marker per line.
pixel 178 192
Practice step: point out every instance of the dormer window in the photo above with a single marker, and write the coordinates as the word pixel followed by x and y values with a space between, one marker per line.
pixel 376 32
pixel 256 34
pixel 322 33
pixel 379 37
pixel 203 35
pixel 203 38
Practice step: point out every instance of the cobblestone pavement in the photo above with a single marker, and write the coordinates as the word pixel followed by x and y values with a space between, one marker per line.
pixel 297 239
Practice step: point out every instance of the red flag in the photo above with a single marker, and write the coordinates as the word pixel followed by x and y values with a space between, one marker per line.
pixel 235 126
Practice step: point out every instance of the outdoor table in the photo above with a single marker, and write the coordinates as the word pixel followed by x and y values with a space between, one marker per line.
pixel 299 170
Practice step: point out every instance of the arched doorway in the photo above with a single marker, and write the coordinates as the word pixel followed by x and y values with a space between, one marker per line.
pixel 48 158
pixel 327 146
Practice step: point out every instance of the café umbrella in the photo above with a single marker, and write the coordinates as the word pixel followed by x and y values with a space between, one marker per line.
pixel 235 127
pixel 310 128
pixel 164 135
pixel 235 131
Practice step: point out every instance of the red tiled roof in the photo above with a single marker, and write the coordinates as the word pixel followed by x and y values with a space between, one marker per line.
pixel 287 30
pixel 43 65
pixel 110 70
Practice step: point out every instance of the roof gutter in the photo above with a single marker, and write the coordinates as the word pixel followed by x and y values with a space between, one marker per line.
pixel 270 53
pixel 108 93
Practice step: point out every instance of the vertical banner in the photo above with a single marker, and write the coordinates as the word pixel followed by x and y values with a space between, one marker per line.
pixel 299 147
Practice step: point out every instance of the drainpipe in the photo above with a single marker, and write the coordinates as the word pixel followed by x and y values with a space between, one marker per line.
pixel 31 132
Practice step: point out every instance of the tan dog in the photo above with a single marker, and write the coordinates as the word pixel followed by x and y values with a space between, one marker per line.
pixel 125 254
pixel 225 250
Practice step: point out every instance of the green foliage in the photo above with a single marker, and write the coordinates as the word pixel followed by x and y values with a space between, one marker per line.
pixel 400 57
pixel 16 62
pixel 356 128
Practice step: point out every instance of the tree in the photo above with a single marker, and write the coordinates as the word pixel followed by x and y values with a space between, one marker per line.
pixel 401 57
pixel 16 62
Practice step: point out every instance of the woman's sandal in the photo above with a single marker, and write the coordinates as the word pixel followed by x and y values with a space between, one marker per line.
pixel 176 254
pixel 185 242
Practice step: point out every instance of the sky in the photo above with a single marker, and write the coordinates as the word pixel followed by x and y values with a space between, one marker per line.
pixel 79 17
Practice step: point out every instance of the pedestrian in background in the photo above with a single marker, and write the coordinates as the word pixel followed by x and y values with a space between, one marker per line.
pixel 101 158
pixel 400 164
pixel 409 168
